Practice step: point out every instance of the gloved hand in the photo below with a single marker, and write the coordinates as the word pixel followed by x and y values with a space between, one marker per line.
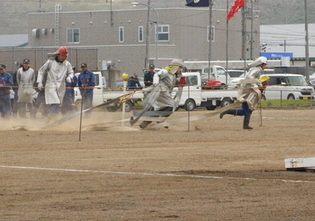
pixel 68 79
pixel 40 86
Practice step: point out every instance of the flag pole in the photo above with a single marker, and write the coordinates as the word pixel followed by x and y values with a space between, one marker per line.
pixel 210 38
pixel 244 35
pixel 227 44
pixel 307 62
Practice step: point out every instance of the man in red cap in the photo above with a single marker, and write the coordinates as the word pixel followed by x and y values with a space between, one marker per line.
pixel 58 70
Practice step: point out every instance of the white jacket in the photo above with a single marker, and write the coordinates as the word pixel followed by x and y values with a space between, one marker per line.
pixel 56 72
pixel 166 83
pixel 253 73
pixel 25 80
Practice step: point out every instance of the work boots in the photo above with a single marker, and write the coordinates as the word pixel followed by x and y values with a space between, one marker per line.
pixel 230 111
pixel 144 124
pixel 246 122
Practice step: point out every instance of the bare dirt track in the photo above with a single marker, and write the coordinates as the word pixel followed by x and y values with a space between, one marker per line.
pixel 210 169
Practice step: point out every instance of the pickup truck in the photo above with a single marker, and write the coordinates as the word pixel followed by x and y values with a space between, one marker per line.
pixel 216 72
pixel 194 96
pixel 103 94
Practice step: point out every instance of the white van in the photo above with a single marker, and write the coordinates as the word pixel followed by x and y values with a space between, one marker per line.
pixel 287 87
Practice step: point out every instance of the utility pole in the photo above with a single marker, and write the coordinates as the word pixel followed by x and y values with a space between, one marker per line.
pixel 244 9
pixel 251 30
pixel 111 13
pixel 147 42
pixel 40 6
pixel 210 37
pixel 227 44
pixel 307 62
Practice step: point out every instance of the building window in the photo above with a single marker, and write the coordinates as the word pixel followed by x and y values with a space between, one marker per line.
pixel 212 37
pixel 140 34
pixel 73 35
pixel 121 34
pixel 163 32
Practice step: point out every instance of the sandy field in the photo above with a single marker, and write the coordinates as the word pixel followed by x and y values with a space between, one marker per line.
pixel 206 169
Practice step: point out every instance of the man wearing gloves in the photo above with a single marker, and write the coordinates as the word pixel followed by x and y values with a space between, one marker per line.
pixel 58 71
pixel 250 95
pixel 86 83
pixel 165 79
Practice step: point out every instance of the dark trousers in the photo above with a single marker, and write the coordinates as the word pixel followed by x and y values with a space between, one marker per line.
pixel 244 111
pixel 40 105
pixel 14 103
pixel 67 104
pixel 87 97
pixel 5 105
pixel 54 109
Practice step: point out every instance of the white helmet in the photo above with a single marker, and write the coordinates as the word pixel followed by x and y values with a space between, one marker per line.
pixel 263 59
pixel 259 61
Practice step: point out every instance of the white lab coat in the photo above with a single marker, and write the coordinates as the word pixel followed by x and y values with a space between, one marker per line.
pixel 166 83
pixel 253 73
pixel 25 80
pixel 56 72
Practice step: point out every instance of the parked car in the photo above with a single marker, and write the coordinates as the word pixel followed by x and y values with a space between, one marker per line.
pixel 235 73
pixel 294 70
pixel 312 81
pixel 287 86
pixel 269 71
pixel 234 81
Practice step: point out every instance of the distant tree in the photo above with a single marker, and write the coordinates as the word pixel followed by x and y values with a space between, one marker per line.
pixel 284 12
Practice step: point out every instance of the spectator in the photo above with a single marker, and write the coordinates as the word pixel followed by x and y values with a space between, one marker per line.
pixel 6 81
pixel 25 77
pixel 148 76
pixel 15 88
pixel 68 99
pixel 86 83
pixel 133 82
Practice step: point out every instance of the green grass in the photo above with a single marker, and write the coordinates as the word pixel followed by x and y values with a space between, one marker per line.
pixel 287 103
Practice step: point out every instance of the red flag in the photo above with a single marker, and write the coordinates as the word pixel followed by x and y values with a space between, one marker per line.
pixel 235 7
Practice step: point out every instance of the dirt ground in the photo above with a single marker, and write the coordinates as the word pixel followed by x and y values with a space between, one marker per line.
pixel 207 169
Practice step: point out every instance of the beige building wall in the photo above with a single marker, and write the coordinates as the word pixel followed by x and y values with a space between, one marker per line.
pixel 99 32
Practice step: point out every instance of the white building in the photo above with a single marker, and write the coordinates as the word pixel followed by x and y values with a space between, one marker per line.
pixel 288 38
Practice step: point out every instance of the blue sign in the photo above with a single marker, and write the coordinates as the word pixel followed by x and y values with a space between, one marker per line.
pixel 276 54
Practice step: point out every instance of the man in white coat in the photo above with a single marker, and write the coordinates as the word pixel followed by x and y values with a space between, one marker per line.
pixel 248 106
pixel 58 71
pixel 166 79
pixel 25 78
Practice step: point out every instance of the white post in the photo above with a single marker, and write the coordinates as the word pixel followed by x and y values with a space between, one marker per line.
pixel 125 80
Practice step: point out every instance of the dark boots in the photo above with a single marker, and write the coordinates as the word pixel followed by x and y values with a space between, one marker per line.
pixel 234 112
pixel 246 122
pixel 144 124
pixel 230 111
